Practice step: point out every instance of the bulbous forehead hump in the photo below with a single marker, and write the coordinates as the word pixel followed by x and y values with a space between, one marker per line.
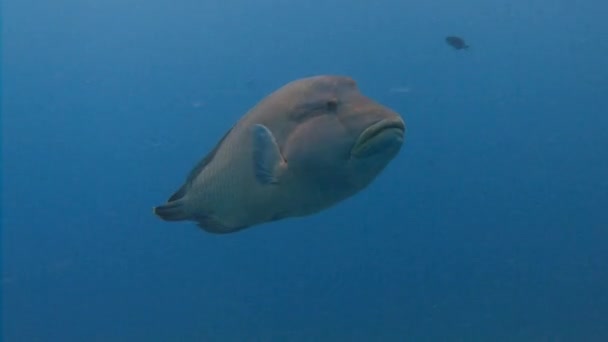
pixel 320 89
pixel 333 84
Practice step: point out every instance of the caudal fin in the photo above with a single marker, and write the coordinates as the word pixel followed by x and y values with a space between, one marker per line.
pixel 172 211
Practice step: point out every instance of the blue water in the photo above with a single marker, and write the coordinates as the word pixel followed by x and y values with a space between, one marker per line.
pixel 490 225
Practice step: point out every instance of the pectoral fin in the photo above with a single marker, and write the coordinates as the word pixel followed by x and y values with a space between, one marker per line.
pixel 268 163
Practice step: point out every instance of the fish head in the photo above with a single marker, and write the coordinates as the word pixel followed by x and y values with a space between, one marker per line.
pixel 342 139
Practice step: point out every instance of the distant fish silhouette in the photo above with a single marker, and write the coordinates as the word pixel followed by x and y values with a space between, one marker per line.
pixel 456 42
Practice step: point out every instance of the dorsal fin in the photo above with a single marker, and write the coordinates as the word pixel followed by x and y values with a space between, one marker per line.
pixel 181 192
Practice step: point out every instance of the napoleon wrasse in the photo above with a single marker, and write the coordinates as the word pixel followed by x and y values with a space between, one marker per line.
pixel 307 146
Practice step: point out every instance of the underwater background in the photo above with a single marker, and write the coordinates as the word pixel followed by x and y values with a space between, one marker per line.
pixel 490 225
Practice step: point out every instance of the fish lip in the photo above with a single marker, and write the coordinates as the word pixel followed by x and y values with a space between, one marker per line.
pixel 376 129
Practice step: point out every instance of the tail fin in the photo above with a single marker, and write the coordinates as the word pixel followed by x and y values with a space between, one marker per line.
pixel 172 211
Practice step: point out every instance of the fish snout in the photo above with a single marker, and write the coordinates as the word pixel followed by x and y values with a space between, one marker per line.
pixel 382 137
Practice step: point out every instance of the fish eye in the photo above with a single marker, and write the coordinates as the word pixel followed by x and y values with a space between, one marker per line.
pixel 332 105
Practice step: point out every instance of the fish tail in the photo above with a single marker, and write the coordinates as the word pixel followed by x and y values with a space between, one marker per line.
pixel 172 211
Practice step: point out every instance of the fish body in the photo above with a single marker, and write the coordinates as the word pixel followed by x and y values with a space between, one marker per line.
pixel 305 147
pixel 456 42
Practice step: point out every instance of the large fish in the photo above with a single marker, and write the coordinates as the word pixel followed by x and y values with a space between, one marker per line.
pixel 307 146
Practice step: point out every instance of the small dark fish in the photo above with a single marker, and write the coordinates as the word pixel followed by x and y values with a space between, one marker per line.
pixel 456 42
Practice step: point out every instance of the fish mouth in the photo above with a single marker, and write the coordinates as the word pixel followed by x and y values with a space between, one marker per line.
pixel 382 135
